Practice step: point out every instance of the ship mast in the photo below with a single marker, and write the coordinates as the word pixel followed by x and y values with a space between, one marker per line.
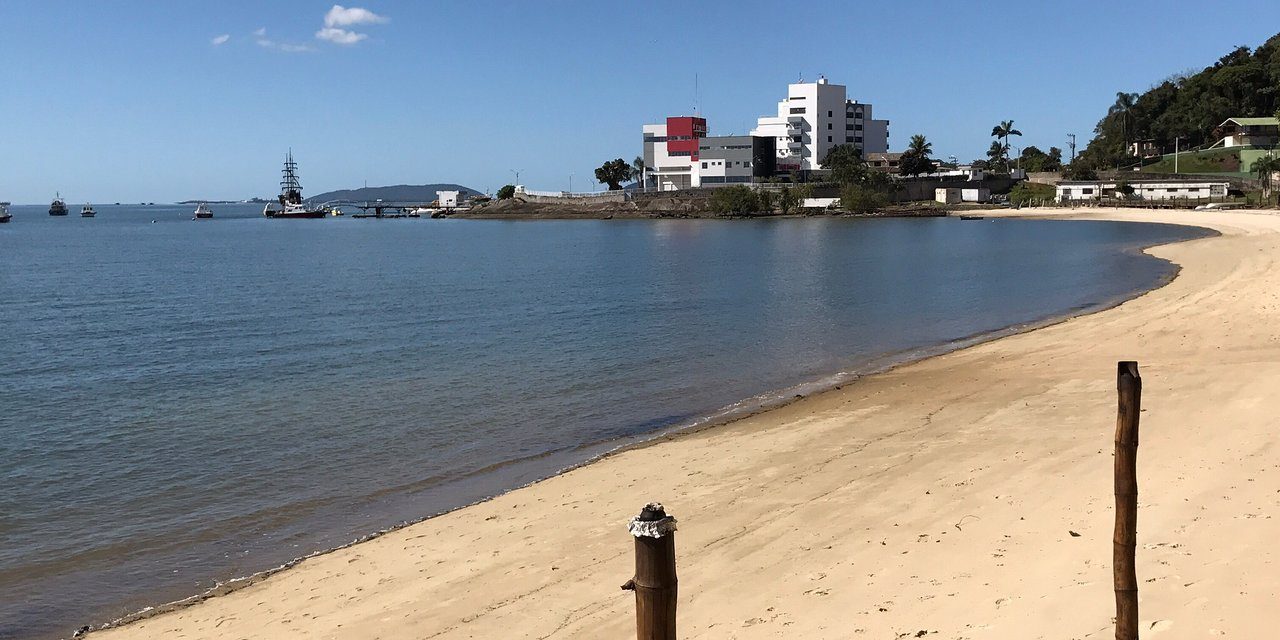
pixel 290 188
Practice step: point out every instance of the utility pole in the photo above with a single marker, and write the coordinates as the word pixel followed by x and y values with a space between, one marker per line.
pixel 571 182
pixel 1071 141
pixel 1176 140
pixel 517 172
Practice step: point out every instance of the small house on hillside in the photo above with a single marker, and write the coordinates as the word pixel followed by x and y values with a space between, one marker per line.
pixel 1250 132
pixel 1144 148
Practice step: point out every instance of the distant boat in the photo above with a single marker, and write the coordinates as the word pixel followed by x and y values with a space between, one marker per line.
pixel 203 212
pixel 58 207
pixel 5 216
pixel 289 204
pixel 87 211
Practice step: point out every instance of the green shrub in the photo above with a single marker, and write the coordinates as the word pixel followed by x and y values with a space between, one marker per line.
pixel 738 200
pixel 1025 192
pixel 508 191
pixel 860 199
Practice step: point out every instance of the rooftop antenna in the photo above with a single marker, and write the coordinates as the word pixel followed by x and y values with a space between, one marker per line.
pixel 696 98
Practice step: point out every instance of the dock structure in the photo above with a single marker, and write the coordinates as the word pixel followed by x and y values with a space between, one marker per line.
pixel 385 208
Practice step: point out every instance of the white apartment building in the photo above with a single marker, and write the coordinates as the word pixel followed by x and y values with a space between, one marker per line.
pixel 815 117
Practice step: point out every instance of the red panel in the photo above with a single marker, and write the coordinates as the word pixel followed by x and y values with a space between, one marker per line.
pixel 684 133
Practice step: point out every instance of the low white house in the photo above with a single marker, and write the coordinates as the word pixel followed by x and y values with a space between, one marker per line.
pixel 1080 191
pixel 447 199
pixel 948 195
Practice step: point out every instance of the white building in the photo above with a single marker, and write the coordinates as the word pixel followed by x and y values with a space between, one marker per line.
pixel 447 199
pixel 815 117
pixel 1076 191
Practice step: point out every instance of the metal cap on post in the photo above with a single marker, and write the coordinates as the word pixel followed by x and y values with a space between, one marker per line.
pixel 655 578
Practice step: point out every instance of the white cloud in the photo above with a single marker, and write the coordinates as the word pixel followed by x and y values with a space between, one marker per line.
pixel 221 40
pixel 260 37
pixel 340 36
pixel 340 16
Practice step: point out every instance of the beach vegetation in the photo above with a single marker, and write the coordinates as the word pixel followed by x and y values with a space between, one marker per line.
pixel 857 198
pixel 507 192
pixel 788 200
pixel 765 198
pixel 1028 193
pixel 614 173
pixel 735 200
pixel 1079 170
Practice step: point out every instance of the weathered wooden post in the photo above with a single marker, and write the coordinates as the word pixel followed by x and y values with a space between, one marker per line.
pixel 1125 540
pixel 655 579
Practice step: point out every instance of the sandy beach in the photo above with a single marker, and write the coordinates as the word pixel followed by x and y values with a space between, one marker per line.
pixel 967 496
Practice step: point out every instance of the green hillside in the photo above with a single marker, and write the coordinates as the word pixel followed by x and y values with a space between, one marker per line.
pixel 1242 83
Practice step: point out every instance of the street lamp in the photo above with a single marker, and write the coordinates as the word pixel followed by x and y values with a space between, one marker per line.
pixel 570 182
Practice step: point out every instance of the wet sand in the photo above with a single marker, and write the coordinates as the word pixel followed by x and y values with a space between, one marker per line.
pixel 942 496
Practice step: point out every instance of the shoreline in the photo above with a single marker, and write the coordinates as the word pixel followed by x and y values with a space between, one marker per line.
pixel 711 429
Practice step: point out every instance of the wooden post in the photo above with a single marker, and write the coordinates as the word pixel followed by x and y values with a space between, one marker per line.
pixel 1125 540
pixel 655 579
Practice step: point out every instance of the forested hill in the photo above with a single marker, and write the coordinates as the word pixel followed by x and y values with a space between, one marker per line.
pixel 1242 83
pixel 395 193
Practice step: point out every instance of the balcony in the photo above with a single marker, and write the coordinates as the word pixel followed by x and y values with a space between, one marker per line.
pixel 795 119
pixel 794 143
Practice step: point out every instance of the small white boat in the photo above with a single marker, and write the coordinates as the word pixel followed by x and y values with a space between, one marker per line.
pixel 87 211
pixel 203 212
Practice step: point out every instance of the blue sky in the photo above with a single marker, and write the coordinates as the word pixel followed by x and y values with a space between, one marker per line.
pixel 132 100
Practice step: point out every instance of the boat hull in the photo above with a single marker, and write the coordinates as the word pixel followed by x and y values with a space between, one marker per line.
pixel 295 214
pixel 57 213
pixel 203 216
pixel 5 218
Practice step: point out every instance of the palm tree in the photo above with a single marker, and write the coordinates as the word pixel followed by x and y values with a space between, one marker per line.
pixel 638 166
pixel 1124 104
pixel 1265 168
pixel 919 146
pixel 1003 131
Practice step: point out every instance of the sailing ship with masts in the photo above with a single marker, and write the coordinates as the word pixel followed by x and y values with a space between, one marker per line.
pixel 290 203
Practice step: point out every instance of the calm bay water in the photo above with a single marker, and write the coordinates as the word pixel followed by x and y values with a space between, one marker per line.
pixel 183 402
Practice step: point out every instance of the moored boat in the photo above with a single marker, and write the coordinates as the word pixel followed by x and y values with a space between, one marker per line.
pixel 289 203
pixel 203 212
pixel 5 216
pixel 58 207
pixel 87 211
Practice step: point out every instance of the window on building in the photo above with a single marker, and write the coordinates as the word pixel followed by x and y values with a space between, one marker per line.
pixel 848 139
pixel 828 126
pixel 828 138
pixel 1086 192
pixel 829 114
pixel 704 165
pixel 678 153
pixel 858 138
pixel 797 109
pixel 857 127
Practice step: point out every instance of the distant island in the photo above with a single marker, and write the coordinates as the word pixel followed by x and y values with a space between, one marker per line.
pixel 198 201
pixel 394 193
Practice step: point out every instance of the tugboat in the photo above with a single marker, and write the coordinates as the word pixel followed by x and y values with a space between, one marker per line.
pixel 58 207
pixel 290 203
pixel 5 216
pixel 203 212
pixel 87 211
